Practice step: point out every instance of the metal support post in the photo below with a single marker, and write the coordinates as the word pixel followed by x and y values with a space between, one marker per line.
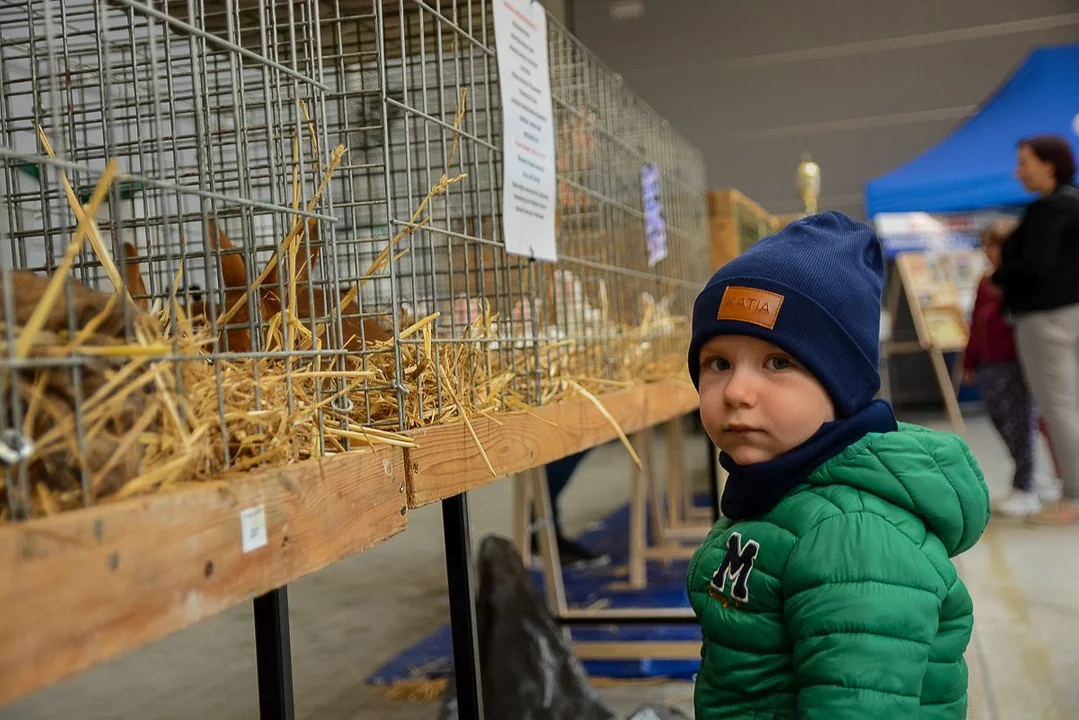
pixel 273 654
pixel 466 658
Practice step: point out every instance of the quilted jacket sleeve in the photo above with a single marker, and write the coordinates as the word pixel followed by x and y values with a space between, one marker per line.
pixel 862 607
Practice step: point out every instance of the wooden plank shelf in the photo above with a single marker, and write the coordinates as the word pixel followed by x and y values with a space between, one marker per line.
pixel 83 587
pixel 447 462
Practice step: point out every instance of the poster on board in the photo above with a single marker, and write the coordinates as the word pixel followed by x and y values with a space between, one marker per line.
pixel 942 279
pixel 529 183
pixel 939 288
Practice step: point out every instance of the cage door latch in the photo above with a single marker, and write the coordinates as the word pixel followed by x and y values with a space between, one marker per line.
pixel 14 447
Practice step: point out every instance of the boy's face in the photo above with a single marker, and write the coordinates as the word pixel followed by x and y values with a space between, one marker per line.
pixel 758 402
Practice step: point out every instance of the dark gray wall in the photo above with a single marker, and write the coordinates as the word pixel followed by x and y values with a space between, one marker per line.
pixel 863 85
pixel 558 9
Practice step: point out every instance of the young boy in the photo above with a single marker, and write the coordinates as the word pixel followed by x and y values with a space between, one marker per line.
pixel 827 589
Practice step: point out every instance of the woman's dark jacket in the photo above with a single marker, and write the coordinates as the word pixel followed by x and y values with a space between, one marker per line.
pixel 1040 269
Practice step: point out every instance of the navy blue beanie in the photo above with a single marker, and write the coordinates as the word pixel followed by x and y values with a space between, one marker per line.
pixel 812 289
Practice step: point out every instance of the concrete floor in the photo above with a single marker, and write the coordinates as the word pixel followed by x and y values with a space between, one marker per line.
pixel 350 618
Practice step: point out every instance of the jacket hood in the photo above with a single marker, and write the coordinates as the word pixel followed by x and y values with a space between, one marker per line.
pixel 930 474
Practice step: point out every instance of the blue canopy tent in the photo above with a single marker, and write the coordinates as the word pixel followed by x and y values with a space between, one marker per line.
pixel 972 168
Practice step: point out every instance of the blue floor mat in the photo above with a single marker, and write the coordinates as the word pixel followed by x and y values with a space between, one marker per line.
pixel 432 657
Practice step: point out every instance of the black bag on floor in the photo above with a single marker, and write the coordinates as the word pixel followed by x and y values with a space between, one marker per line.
pixel 528 669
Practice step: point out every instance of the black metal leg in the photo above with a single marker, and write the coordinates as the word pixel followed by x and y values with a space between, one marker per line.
pixel 713 479
pixel 466 656
pixel 273 652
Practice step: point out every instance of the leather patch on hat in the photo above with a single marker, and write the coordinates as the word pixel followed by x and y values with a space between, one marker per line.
pixel 750 305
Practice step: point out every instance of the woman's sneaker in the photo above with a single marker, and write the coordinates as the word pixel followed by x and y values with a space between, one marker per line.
pixel 1047 487
pixel 1020 504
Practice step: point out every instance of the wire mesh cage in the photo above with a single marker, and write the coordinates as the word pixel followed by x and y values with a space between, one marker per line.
pixel 239 233
pixel 171 306
pixel 418 89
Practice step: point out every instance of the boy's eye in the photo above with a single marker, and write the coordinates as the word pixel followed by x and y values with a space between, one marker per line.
pixel 779 362
pixel 717 364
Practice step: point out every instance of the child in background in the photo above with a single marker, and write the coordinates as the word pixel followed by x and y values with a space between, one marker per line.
pixel 991 361
pixel 827 589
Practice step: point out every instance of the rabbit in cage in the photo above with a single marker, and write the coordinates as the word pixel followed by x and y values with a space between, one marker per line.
pixel 657 316
pixel 311 302
pixel 571 316
pixel 468 314
pixel 573 313
pixel 106 455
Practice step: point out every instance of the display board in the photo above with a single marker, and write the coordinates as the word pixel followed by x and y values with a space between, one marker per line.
pixel 940 288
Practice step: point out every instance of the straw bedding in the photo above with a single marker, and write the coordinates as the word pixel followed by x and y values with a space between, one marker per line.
pixel 157 411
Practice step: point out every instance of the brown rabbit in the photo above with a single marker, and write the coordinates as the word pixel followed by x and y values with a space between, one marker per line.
pixel 133 277
pixel 234 276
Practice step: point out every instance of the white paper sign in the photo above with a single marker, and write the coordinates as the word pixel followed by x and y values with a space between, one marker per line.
pixel 253 528
pixel 529 184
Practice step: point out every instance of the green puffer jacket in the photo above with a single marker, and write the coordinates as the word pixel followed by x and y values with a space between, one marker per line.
pixel 842 602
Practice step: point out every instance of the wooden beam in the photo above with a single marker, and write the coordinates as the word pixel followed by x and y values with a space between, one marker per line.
pixel 615 615
pixel 553 583
pixel 638 511
pixel 735 224
pixel 947 390
pixel 665 554
pixel 676 483
pixel 688 533
pixel 904 348
pixel 447 460
pixel 83 587
pixel 632 650
pixel 700 513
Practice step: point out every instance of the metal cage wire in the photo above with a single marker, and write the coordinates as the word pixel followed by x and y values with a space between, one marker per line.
pixel 224 116
pixel 205 131
pixel 421 57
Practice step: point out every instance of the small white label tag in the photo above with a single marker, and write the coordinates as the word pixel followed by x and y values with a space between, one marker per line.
pixel 253 528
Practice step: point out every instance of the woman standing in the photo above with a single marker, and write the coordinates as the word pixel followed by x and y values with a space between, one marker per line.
pixel 992 361
pixel 1040 279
